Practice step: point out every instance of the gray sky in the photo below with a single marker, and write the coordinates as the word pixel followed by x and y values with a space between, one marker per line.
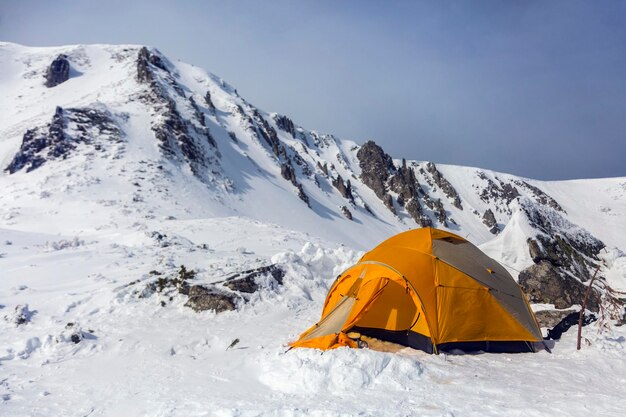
pixel 535 88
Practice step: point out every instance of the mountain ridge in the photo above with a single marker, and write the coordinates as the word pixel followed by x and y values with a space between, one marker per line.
pixel 178 127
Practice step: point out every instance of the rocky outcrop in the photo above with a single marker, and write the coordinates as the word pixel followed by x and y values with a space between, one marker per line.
pixel 58 72
pixel 404 183
pixel 144 60
pixel 489 220
pixel 248 281
pixel 415 210
pixel 571 249
pixel 177 137
pixel 287 172
pixel 388 202
pixel 375 167
pixel 344 189
pixel 498 195
pixel 285 124
pixel 197 113
pixel 444 185
pixel 210 298
pixel 440 212
pixel 346 212
pixel 540 196
pixel 379 173
pixel 564 255
pixel 268 133
pixel 323 168
pixel 209 102
pixel 544 283
pixel 68 129
pixel 550 318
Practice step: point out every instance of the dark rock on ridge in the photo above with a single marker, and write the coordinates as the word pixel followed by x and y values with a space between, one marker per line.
pixel 489 220
pixel 445 185
pixel 58 72
pixel 346 212
pixel 344 189
pixel 177 137
pixel 56 141
pixel 284 123
pixel 375 167
pixel 540 196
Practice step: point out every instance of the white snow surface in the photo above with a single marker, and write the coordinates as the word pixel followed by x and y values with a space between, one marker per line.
pixel 79 237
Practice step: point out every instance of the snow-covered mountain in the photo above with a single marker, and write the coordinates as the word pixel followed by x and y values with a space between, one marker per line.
pixel 118 165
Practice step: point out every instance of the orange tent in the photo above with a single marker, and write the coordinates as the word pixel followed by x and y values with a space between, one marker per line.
pixel 428 289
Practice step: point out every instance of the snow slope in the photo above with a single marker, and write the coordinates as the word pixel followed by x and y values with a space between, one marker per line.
pixel 80 235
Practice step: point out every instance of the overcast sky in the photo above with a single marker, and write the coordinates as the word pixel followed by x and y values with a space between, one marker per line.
pixel 535 88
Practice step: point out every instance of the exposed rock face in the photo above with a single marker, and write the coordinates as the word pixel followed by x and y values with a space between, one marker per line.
pixel 246 281
pixel 540 196
pixel 197 113
pixel 440 212
pixel 268 133
pixel 565 257
pixel 262 129
pixel 56 140
pixel 287 172
pixel 209 102
pixel 344 189
pixel 543 283
pixel 489 220
pixel 203 298
pixel 404 183
pixel 378 172
pixel 388 201
pixel 323 168
pixel 284 123
pixel 144 59
pixel 445 185
pixel 58 72
pixel 415 210
pixel 571 249
pixel 499 195
pixel 375 167
pixel 177 137
pixel 346 212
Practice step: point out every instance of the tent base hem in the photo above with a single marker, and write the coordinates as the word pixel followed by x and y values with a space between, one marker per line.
pixel 421 342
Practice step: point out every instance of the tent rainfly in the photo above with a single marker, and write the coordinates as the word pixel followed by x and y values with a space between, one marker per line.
pixel 431 290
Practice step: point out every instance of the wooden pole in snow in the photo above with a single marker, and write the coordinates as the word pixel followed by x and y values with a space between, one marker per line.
pixel 582 310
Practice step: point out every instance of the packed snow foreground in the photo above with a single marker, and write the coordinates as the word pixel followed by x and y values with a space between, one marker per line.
pixel 162 240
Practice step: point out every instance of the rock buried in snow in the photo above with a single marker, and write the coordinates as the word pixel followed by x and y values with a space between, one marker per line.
pixel 203 298
pixel 21 315
pixel 550 318
pixel 246 281
pixel 543 284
